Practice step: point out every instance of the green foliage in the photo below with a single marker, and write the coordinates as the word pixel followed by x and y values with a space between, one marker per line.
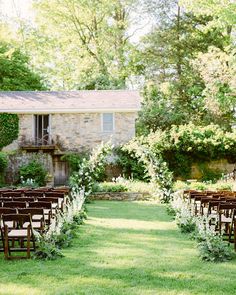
pixel 74 160
pixel 201 186
pixel 94 46
pixel 67 234
pixel 130 164
pixel 211 245
pixel 168 54
pixel 155 168
pixel 3 166
pixel 209 174
pixel 214 249
pixel 223 186
pixel 184 219
pixel 9 129
pixel 186 144
pixel 34 170
pixel 3 162
pixel 90 170
pixel 15 71
pixel 46 251
pixel 79 218
pixel 109 187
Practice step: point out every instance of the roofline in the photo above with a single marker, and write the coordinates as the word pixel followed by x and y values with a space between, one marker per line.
pixel 66 91
pixel 68 111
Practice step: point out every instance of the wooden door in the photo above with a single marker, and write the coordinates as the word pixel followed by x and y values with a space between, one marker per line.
pixel 61 172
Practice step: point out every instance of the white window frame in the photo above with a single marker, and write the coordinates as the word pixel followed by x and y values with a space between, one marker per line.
pixel 113 122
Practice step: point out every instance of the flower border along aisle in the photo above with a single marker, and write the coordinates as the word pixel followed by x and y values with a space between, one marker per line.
pixel 63 227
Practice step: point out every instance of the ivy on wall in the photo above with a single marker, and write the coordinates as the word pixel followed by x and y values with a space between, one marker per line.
pixel 9 129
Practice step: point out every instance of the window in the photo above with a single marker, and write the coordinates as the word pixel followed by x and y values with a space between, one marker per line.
pixel 41 129
pixel 108 122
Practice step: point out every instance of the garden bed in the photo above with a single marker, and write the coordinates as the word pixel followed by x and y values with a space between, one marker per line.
pixel 120 196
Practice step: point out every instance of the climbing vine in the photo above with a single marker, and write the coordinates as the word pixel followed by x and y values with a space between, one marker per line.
pixel 155 168
pixel 90 170
pixel 9 129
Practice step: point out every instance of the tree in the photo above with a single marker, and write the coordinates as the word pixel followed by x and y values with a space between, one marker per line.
pixel 169 52
pixel 15 71
pixel 87 42
pixel 15 74
pixel 217 66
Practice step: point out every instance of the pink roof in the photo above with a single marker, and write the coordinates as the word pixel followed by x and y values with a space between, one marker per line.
pixel 69 101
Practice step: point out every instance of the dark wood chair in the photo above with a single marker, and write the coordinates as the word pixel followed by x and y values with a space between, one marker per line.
pixel 57 203
pixel 37 218
pixel 34 194
pixel 14 204
pixel 225 211
pixel 11 194
pixel 10 224
pixel 23 199
pixel 47 208
pixel 18 233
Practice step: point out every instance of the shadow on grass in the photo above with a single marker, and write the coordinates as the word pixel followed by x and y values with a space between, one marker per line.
pixel 108 258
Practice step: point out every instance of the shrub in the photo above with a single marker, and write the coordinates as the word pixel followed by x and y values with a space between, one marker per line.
pixel 155 168
pixel 181 185
pixel 109 187
pixel 131 166
pixel 214 249
pixel 90 170
pixel 74 160
pixel 67 234
pixel 3 162
pixel 223 186
pixel 9 128
pixel 180 146
pixel 46 250
pixel 201 186
pixel 3 166
pixel 185 221
pixel 34 170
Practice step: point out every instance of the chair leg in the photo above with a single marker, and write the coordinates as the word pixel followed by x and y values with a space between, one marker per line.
pixel 235 236
pixel 28 242
pixel 6 245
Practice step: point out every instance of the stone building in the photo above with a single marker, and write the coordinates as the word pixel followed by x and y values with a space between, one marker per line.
pixel 70 121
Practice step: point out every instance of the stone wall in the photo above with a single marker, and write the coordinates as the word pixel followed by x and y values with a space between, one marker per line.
pixel 19 159
pixel 78 132
pixel 221 165
pixel 121 196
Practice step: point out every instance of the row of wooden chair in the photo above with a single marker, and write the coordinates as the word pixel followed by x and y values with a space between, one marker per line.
pixel 23 213
pixel 221 206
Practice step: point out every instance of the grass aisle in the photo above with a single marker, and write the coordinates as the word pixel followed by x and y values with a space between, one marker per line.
pixel 124 248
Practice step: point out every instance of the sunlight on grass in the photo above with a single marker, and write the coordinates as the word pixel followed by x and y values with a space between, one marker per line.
pixel 15 289
pixel 120 223
pixel 125 248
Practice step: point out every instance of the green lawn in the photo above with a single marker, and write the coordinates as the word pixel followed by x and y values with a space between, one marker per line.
pixel 124 248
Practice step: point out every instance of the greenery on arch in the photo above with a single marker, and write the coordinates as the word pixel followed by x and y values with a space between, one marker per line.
pixel 155 168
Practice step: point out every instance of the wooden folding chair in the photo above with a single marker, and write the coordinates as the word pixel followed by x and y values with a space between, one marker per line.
pixel 18 233
pixel 57 201
pixel 37 218
pixel 34 194
pixel 10 224
pixel 11 194
pixel 47 208
pixel 226 211
pixel 14 204
pixel 23 199
pixel 232 229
